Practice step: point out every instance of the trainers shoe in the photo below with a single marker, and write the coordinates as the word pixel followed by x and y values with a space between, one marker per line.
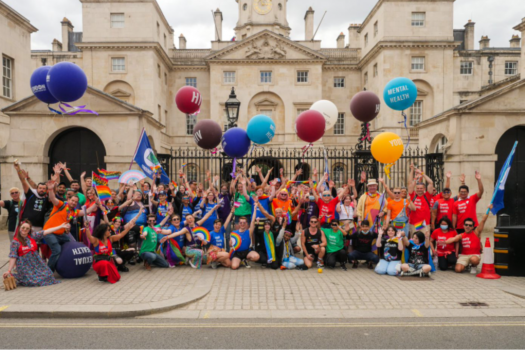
pixel 213 265
pixel 132 262
pixel 122 268
pixel 398 269
pixel 343 267
pixel 355 265
pixel 370 265
pixel 191 264
pixel 147 266
pixel 474 270
pixel 244 263
pixel 102 279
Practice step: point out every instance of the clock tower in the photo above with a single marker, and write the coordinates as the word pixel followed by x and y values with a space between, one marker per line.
pixel 258 15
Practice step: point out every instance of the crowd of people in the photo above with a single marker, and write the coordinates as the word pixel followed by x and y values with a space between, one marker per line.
pixel 278 223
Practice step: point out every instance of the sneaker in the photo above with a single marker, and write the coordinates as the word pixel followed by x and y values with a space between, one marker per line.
pixel 474 270
pixel 102 279
pixel 301 267
pixel 370 265
pixel 398 270
pixel 320 263
pixel 147 266
pixel 191 264
pixel 139 260
pixel 244 263
pixel 213 265
pixel 132 262
pixel 343 267
pixel 428 274
pixel 355 265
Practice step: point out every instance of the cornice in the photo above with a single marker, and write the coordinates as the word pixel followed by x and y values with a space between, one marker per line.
pixel 191 68
pixel 14 16
pixel 263 61
pixel 333 67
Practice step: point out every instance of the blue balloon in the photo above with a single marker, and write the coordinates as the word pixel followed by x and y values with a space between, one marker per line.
pixel 67 82
pixel 75 260
pixel 400 94
pixel 235 142
pixel 261 129
pixel 39 85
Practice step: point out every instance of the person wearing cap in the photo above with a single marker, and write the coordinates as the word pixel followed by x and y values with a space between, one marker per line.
pixel 335 248
pixel 61 191
pixel 13 207
pixel 443 208
pixel 370 204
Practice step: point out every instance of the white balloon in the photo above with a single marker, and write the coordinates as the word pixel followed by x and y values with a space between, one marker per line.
pixel 329 111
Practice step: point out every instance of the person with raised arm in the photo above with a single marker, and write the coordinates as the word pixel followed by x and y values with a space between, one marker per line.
pixel 419 257
pixel 421 194
pixel 313 242
pixel 390 246
pixel 465 206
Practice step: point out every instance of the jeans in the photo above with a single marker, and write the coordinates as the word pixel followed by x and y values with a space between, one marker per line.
pixel 292 262
pixel 333 258
pixel 369 257
pixel 387 267
pixel 154 259
pixel 54 242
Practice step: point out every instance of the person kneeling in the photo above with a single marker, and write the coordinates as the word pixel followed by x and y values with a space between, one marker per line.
pixel 418 262
pixel 243 253
pixel 390 250
pixel 335 248
pixel 363 240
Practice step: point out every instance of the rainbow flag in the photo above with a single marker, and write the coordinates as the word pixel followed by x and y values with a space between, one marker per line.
pixel 99 180
pixel 110 175
pixel 104 192
pixel 270 246
pixel 420 226
pixel 171 252
pixel 264 196
pixel 237 241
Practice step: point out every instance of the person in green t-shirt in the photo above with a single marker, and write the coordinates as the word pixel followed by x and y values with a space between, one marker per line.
pixel 149 245
pixel 335 249
pixel 241 199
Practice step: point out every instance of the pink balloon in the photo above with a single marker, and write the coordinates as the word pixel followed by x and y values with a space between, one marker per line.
pixel 310 126
pixel 188 100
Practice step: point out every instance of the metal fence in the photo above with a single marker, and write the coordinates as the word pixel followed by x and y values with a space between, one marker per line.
pixel 341 163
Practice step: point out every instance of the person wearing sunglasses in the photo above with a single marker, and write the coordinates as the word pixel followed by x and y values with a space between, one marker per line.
pixel 470 244
pixel 397 211
pixel 465 205
pixel 335 245
pixel 149 245
pixel 313 242
pixel 13 208
pixel 327 204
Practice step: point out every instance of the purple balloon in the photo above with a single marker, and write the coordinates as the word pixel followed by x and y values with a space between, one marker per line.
pixel 39 85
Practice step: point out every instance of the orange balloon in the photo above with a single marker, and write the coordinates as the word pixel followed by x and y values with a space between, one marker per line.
pixel 387 147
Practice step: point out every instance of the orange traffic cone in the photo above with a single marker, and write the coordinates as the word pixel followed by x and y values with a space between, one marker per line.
pixel 487 270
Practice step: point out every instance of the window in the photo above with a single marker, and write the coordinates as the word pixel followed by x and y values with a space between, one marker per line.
pixel 191 120
pixel 158 30
pixel 466 68
pixel 511 68
pixel 375 70
pixel 418 19
pixel 366 39
pixel 158 70
pixel 267 112
pixel 416 113
pixel 117 20
pixel 245 7
pixel 339 82
pixel 7 77
pixel 301 110
pixel 376 29
pixel 339 127
pixel 191 82
pixel 159 113
pixel 165 41
pixel 191 172
pixel 165 116
pixel 118 64
pixel 441 144
pixel 266 77
pixel 165 78
pixel 229 77
pixel 366 78
pixel 418 63
pixel 302 76
pixel 338 173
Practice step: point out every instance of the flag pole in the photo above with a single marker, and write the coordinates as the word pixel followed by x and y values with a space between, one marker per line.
pixel 499 179
pixel 136 149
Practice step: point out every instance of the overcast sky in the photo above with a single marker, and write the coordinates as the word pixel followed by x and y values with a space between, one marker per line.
pixel 193 18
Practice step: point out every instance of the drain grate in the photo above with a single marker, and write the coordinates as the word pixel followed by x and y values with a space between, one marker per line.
pixel 473 304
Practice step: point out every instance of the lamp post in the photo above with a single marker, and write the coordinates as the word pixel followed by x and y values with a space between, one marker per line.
pixel 233 105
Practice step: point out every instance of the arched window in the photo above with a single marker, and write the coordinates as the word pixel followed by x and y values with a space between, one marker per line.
pixel 192 172
pixel 338 173
pixel 441 144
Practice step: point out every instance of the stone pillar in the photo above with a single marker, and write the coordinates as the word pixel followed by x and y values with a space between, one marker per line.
pixel 484 43
pixel 309 24
pixel 341 41
pixel 515 41
pixel 67 27
pixel 521 27
pixel 218 25
pixel 182 42
pixel 56 45
pixel 469 35
pixel 354 36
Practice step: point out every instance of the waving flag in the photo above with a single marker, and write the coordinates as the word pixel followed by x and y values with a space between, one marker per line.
pixel 146 159
pixel 104 193
pixel 98 180
pixel 499 189
pixel 110 175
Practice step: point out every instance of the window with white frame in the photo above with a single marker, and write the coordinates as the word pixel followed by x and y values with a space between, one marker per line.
pixel 191 82
pixel 466 68
pixel 117 20
pixel 339 82
pixel 418 19
pixel 229 77
pixel 366 39
pixel 511 68
pixel 366 78
pixel 191 172
pixel 441 145
pixel 7 77
pixel 267 112
pixel 416 113
pixel 418 63
pixel 339 127
pixel 266 77
pixel 375 70
pixel 118 64
pixel 191 120
pixel 302 76
pixel 376 28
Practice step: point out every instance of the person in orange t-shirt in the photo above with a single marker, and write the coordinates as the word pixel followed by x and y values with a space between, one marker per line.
pixel 397 211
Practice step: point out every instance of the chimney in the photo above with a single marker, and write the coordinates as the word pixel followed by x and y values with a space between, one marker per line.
pixel 182 42
pixel 218 25
pixel 521 28
pixel 309 24
pixel 515 41
pixel 67 27
pixel 354 36
pixel 341 41
pixel 469 35
pixel 57 45
pixel 484 43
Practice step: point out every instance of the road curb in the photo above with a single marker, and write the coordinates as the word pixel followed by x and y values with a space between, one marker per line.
pixel 201 288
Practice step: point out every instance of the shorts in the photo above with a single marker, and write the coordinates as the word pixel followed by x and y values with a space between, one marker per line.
pixel 416 266
pixel 316 257
pixel 465 259
pixel 241 255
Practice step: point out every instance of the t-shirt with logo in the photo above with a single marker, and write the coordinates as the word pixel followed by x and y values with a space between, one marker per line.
pixel 418 254
pixel 35 208
pixel 334 240
pixel 444 208
pixel 440 237
pixel 466 208
pixel 217 238
pixel 178 239
pixel 422 212
pixel 470 244
pixel 327 210
pixel 389 249
pixel 363 242
pixel 435 199
pixel 246 241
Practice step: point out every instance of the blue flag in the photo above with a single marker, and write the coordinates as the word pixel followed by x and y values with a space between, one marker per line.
pixel 499 190
pixel 147 161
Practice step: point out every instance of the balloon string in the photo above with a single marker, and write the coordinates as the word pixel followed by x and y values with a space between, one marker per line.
pixel 387 169
pixel 54 110
pixel 326 170
pixel 215 150
pixel 234 168
pixel 75 109
pixel 404 122
pixel 306 148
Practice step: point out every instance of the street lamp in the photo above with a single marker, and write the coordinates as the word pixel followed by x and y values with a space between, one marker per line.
pixel 233 105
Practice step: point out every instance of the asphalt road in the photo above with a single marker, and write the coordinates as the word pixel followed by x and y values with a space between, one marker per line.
pixel 265 334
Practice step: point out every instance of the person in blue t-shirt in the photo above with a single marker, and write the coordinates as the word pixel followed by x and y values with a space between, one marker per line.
pixel 243 253
pixel 217 247
pixel 173 223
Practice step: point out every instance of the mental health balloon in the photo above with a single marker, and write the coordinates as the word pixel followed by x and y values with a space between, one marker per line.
pixel 261 129
pixel 67 82
pixel 39 85
pixel 310 126
pixel 400 93
pixel 328 110
pixel 365 106
pixel 75 260
pixel 387 147
pixel 207 134
pixel 188 100
pixel 235 142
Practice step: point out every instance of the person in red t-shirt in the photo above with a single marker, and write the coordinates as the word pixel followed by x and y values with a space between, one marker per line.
pixel 443 208
pixel 327 204
pixel 470 244
pixel 421 197
pixel 465 206
pixel 447 253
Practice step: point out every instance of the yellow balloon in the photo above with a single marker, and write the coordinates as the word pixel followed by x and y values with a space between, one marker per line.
pixel 387 147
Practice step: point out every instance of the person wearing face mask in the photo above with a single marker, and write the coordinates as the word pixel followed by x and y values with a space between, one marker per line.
pixel 447 253
pixel 362 241
pixel 309 208
pixel 443 208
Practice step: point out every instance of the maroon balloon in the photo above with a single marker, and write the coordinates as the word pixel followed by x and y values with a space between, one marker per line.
pixel 207 134
pixel 188 100
pixel 310 126
pixel 365 106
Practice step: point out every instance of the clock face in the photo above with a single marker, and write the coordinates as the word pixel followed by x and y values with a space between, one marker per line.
pixel 262 7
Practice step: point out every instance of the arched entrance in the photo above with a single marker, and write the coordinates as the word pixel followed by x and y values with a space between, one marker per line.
pixel 81 149
pixel 514 198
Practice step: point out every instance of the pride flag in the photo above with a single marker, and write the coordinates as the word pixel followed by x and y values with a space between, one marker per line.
pixel 98 180
pixel 104 193
pixel 110 175
pixel 420 226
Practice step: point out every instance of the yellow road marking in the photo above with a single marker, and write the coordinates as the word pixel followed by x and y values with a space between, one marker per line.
pixel 2 308
pixel 206 315
pixel 417 313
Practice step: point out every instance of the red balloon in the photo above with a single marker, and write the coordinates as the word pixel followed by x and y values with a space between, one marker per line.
pixel 365 106
pixel 310 126
pixel 188 100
